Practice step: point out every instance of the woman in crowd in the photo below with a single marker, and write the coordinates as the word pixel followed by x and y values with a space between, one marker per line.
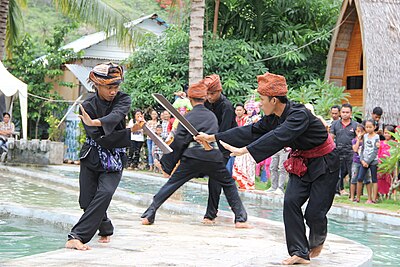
pixel 152 124
pixel 137 140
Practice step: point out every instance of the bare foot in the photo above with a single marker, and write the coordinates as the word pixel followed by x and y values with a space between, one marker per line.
pixel 207 221
pixel 242 225
pixel 146 221
pixel 104 239
pixel 314 252
pixel 76 244
pixel 295 260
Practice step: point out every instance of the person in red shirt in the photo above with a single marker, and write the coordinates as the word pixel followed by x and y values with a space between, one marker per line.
pixel 241 116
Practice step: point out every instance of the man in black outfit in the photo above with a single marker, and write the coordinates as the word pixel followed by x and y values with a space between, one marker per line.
pixel 102 155
pixel 344 131
pixel 225 113
pixel 195 160
pixel 313 164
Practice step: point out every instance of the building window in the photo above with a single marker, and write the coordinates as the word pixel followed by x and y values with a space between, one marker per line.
pixel 354 82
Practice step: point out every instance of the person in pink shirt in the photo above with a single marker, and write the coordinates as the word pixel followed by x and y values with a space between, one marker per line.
pixel 385 179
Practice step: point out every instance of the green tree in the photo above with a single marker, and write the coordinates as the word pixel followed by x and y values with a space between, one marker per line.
pixel 36 73
pixel 296 33
pixel 161 65
pixel 94 12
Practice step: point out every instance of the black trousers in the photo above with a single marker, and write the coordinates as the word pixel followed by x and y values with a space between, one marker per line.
pixel 214 193
pixel 192 168
pixel 346 162
pixel 134 152
pixel 320 194
pixel 96 190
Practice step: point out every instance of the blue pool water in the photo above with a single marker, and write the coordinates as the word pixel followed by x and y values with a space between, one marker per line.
pixel 22 237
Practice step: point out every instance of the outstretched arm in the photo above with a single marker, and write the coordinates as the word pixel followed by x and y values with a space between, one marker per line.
pixel 235 151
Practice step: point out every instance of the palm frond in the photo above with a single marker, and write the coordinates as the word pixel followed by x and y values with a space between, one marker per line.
pixel 99 14
pixel 15 24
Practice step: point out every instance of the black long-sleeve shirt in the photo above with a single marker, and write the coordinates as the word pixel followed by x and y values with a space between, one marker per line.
pixel 204 121
pixel 225 113
pixel 112 133
pixel 297 128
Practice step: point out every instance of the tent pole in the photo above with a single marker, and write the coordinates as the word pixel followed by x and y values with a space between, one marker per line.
pixel 11 106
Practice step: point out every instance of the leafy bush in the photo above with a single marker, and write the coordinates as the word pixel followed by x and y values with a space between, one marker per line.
pixel 161 65
pixel 322 94
pixel 55 133
pixel 389 164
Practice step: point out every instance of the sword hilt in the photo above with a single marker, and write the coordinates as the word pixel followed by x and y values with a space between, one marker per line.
pixel 206 145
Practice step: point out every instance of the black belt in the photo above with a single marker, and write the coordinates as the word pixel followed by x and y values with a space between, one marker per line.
pixel 197 145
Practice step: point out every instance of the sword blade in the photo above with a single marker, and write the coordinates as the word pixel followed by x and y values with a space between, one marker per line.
pixel 184 122
pixel 157 140
pixel 168 106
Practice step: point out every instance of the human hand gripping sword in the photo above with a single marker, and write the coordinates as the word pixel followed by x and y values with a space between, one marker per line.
pixel 185 123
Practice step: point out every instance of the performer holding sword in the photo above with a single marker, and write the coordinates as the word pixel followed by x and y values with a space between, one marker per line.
pixel 313 163
pixel 103 153
pixel 195 159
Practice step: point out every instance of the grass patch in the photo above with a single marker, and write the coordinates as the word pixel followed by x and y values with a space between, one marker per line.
pixel 262 185
pixel 385 204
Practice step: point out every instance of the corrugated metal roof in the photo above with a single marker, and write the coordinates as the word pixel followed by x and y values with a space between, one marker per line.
pixel 108 49
pixel 86 41
pixel 151 23
pixel 82 73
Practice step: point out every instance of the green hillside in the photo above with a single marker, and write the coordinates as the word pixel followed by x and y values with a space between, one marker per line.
pixel 40 17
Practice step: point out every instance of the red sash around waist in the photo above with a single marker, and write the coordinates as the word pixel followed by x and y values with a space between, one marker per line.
pixel 297 161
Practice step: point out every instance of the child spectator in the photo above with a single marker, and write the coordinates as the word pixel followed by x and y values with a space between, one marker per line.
pixel 152 124
pixel 137 140
pixel 355 168
pixel 241 116
pixel 385 179
pixel 262 170
pixel 376 116
pixel 369 160
pixel 157 152
pixel 165 117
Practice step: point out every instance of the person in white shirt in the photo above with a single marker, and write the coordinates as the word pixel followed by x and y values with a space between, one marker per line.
pixel 137 140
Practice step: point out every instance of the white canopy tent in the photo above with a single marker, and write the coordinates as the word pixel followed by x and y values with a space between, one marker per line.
pixel 11 87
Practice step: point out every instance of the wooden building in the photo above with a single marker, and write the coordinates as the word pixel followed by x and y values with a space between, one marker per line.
pixel 365 55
